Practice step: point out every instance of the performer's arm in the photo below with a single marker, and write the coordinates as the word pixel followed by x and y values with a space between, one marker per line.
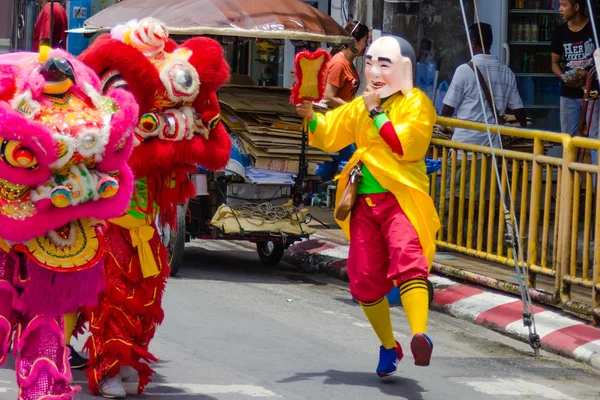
pixel 387 133
pixel 413 126
pixel 333 130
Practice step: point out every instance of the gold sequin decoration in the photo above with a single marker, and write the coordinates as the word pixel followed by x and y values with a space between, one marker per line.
pixel 107 105
pixel 18 211
pixel 12 192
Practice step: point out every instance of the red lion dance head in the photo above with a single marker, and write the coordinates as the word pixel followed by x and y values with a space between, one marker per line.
pixel 175 86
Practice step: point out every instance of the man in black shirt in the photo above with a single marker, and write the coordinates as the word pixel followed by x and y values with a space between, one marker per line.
pixel 573 45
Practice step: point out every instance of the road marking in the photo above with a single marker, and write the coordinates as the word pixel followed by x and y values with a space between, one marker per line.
pixel 191 389
pixel 513 387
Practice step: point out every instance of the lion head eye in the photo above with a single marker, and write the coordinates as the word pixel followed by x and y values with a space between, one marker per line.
pixel 15 154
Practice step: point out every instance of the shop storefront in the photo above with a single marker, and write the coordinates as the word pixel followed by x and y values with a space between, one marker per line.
pixel 522 39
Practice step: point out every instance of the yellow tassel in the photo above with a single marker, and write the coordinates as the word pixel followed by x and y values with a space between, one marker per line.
pixel 70 322
pixel 127 37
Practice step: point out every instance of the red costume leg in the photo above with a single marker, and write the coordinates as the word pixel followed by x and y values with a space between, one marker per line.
pixel 128 313
pixel 8 295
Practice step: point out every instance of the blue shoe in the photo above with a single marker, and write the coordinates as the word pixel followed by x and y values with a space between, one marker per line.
pixel 388 360
pixel 421 347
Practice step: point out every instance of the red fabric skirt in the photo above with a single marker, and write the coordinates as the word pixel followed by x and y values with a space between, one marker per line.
pixel 128 311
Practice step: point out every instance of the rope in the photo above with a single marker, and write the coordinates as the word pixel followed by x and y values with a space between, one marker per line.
pixel 265 211
pixel 511 236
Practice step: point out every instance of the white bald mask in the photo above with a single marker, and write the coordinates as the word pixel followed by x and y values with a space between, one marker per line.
pixel 387 70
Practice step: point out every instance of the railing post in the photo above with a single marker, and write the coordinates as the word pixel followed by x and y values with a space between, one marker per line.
pixel 566 213
pixel 534 207
pixel 596 266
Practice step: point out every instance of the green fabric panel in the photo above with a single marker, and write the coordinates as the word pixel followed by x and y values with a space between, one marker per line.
pixel 368 184
pixel 380 120
pixel 141 195
pixel 312 125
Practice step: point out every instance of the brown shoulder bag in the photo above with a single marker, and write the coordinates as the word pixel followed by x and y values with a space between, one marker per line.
pixel 348 199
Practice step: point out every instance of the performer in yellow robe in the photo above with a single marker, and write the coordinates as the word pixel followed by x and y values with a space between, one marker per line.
pixel 393 224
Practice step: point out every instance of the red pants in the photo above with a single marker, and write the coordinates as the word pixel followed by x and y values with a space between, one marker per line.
pixel 384 246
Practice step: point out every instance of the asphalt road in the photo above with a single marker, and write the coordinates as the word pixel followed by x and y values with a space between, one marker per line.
pixel 237 330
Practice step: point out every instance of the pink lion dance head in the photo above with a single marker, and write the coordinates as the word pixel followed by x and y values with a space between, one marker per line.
pixel 63 154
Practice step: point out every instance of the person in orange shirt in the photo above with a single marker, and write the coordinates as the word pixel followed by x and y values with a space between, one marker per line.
pixel 342 78
pixel 60 24
pixel 393 223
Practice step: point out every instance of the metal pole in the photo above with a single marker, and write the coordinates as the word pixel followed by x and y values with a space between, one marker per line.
pixel 378 14
pixel 51 33
pixel 30 23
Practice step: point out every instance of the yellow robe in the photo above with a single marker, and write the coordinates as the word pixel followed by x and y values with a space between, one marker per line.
pixel 405 176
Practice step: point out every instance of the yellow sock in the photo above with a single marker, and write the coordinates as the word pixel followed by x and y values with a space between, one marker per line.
pixel 378 314
pixel 70 321
pixel 415 300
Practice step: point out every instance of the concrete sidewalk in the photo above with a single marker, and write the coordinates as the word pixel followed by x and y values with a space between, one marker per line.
pixel 327 253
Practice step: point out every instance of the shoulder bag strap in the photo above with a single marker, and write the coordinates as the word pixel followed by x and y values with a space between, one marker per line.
pixel 486 92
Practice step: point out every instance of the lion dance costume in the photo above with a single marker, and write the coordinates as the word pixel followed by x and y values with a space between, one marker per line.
pixel 179 128
pixel 393 223
pixel 63 153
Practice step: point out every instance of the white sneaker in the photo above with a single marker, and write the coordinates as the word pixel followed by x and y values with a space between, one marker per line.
pixel 125 373
pixel 111 388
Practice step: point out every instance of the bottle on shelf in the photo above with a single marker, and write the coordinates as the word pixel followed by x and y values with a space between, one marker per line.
pixel 543 29
pixel 528 32
pixel 532 63
pixel 520 30
pixel 525 65
pixel 535 32
pixel 514 31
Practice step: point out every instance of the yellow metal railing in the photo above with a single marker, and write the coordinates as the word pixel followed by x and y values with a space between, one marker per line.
pixel 554 200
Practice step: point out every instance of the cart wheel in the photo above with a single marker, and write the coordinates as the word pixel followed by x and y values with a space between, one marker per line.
pixel 270 253
pixel 175 241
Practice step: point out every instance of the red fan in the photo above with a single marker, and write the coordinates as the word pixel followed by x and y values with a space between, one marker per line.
pixel 311 69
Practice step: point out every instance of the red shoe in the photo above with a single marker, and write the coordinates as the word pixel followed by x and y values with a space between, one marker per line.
pixel 421 347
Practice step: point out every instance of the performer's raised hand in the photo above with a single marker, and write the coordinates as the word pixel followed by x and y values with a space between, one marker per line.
pixel 371 98
pixel 305 110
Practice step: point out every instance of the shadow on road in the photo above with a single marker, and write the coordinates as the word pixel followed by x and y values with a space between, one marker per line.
pixel 236 265
pixel 392 386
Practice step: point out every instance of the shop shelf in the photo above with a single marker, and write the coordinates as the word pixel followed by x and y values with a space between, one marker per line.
pixel 535 74
pixel 528 11
pixel 545 43
pixel 542 106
